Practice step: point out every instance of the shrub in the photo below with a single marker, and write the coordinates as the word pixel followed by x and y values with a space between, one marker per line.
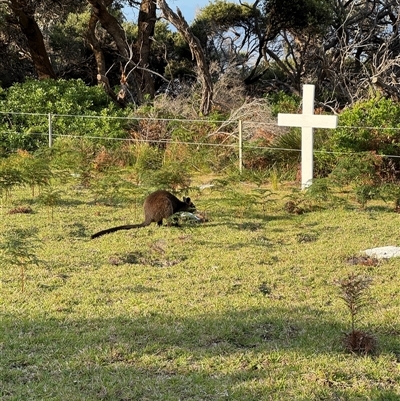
pixel 111 189
pixel 73 158
pixel 50 197
pixel 29 103
pixel 18 249
pixel 282 102
pixel 372 125
pixel 172 176
pixel 10 177
pixel 146 157
pixel 357 169
pixel 35 170
pixel 390 192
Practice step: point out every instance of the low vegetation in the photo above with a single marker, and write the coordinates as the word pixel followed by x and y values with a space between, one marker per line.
pixel 265 294
pixel 255 303
pixel 268 297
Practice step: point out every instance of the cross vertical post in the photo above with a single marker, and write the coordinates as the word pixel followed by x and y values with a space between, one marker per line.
pixel 307 121
pixel 307 139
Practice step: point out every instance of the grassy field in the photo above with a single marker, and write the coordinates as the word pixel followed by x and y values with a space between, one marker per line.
pixel 242 307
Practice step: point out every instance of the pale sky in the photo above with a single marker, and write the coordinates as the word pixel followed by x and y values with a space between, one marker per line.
pixel 188 8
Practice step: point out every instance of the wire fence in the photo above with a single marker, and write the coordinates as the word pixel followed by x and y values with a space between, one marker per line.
pixel 54 126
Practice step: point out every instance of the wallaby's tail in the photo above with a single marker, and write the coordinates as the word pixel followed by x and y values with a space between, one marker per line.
pixel 113 229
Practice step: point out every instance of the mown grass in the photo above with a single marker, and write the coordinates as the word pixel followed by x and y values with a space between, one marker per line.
pixel 242 307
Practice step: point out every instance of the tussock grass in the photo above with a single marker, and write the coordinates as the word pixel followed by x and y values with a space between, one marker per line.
pixel 242 307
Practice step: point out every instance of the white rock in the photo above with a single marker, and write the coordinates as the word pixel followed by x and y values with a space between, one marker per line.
pixel 384 252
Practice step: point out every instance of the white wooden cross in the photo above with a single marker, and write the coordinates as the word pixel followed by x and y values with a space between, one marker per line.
pixel 307 121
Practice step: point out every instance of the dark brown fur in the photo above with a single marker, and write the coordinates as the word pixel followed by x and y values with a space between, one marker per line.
pixel 157 206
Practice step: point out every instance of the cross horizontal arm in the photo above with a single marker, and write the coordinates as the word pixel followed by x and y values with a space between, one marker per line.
pixel 309 121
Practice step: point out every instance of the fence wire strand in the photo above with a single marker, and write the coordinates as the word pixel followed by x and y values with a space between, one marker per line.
pixel 170 141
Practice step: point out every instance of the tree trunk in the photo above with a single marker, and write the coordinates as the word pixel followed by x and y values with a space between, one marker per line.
pixel 146 24
pixel 99 57
pixel 34 37
pixel 197 52
pixel 138 62
pixel 110 24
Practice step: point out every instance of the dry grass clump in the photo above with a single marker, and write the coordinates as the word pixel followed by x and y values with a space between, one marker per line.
pixel 359 342
pixel 21 209
pixel 363 260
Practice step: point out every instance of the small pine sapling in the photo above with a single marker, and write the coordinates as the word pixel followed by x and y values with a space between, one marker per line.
pixel 353 290
pixel 50 197
pixel 18 248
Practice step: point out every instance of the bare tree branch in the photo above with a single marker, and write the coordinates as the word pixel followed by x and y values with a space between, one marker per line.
pixel 182 26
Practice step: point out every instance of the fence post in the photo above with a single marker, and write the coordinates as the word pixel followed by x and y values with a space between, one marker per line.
pixel 50 131
pixel 240 146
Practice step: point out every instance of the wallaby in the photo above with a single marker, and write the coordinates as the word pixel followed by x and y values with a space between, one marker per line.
pixel 157 206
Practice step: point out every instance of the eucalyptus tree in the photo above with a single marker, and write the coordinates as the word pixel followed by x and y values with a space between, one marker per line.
pixel 14 63
pixel 360 51
pixel 250 37
pixel 38 30
pixel 227 32
pixel 345 48
pixel 58 36
pixel 22 13
pixel 354 52
pixel 133 57
pixel 26 40
pixel 197 51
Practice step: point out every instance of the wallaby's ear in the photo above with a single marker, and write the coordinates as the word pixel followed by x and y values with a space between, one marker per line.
pixel 187 200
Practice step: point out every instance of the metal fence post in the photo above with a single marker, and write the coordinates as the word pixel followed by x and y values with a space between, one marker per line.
pixel 240 146
pixel 50 131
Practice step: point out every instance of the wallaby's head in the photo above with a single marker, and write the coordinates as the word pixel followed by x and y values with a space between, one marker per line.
pixel 190 207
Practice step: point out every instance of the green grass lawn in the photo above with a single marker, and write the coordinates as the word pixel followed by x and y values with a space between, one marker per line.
pixel 242 307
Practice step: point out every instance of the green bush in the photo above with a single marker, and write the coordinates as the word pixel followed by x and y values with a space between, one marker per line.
pixel 10 177
pixel 285 152
pixel 282 102
pixel 172 176
pixel 147 157
pixel 361 172
pixel 372 125
pixel 82 111
pixel 112 189
pixel 72 159
pixel 362 168
pixel 35 170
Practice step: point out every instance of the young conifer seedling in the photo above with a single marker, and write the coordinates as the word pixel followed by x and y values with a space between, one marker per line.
pixel 353 292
